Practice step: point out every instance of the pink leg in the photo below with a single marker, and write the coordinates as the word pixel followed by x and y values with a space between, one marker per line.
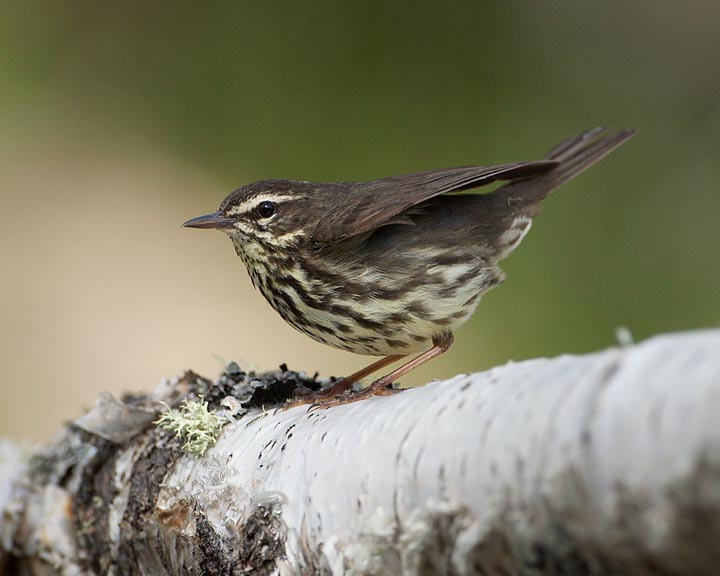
pixel 342 385
pixel 381 387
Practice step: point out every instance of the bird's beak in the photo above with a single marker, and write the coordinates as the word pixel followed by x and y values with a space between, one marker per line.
pixel 214 220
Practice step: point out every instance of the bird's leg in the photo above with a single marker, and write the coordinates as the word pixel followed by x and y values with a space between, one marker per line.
pixel 342 385
pixel 441 344
pixel 382 386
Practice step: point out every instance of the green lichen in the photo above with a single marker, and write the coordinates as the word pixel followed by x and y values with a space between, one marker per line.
pixel 194 423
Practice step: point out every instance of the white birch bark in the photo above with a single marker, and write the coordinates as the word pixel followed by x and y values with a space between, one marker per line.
pixel 607 463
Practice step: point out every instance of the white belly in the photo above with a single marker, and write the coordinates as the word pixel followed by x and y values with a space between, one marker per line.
pixel 369 325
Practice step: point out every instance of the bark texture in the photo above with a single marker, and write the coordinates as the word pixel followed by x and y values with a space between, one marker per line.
pixel 607 463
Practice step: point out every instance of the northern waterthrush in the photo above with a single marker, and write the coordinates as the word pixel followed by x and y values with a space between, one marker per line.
pixel 393 266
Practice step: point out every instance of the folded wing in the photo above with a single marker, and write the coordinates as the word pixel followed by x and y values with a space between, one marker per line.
pixel 369 205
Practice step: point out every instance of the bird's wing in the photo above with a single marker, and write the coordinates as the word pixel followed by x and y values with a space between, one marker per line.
pixel 369 205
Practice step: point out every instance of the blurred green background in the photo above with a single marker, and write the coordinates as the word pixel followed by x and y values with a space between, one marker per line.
pixel 118 121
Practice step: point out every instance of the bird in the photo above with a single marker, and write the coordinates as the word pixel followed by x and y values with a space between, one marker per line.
pixel 391 267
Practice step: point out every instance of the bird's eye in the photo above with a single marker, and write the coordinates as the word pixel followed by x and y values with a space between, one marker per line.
pixel 265 209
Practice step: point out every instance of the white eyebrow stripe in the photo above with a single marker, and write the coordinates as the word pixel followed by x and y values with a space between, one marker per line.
pixel 248 205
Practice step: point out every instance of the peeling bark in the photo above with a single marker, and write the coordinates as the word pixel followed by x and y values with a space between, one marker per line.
pixel 607 463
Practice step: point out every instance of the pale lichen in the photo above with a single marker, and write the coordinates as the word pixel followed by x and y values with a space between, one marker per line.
pixel 194 423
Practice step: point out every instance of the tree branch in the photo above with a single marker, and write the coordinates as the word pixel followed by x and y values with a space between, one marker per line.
pixel 601 464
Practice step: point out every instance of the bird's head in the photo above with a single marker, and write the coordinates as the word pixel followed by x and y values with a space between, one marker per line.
pixel 264 217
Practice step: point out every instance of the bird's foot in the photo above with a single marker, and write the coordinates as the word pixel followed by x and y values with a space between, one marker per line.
pixel 308 397
pixel 380 387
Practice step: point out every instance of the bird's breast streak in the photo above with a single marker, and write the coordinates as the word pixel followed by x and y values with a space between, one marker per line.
pixel 372 325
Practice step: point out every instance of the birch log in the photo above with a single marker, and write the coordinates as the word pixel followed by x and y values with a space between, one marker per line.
pixel 607 463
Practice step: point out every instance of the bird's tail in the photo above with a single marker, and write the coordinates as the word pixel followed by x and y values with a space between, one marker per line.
pixel 574 156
